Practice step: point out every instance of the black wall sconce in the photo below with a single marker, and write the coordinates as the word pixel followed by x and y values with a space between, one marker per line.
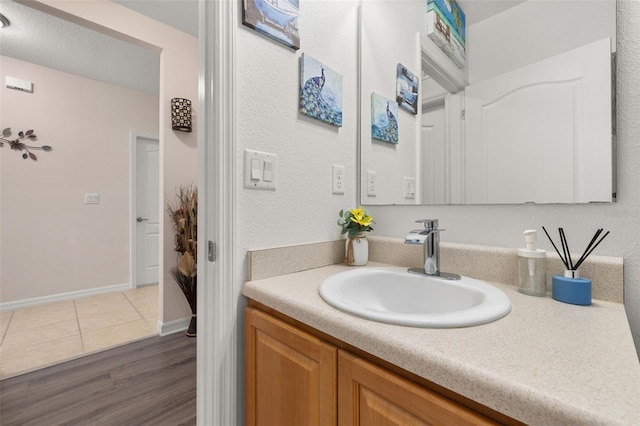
pixel 181 114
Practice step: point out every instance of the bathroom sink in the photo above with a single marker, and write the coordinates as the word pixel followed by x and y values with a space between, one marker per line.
pixel 394 296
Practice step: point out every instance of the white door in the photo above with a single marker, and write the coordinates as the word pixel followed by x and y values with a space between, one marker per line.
pixel 147 211
pixel 538 133
pixel 433 139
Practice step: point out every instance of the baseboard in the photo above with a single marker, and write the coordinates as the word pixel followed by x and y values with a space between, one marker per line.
pixel 61 297
pixel 164 328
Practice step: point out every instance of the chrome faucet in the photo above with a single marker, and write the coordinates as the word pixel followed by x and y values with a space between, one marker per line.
pixel 429 237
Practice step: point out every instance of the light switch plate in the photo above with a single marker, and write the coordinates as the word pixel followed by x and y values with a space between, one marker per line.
pixel 409 188
pixel 91 198
pixel 256 176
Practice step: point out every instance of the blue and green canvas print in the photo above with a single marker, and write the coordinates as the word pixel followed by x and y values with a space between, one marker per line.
pixel 407 89
pixel 320 91
pixel 277 19
pixel 452 15
pixel 384 124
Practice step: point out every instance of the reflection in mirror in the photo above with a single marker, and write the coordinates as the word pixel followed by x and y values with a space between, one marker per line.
pixel 527 119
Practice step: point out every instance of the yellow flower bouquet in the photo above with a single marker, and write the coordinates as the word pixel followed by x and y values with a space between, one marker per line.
pixel 354 223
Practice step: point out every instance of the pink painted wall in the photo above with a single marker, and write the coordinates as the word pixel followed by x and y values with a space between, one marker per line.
pixel 51 241
pixel 178 78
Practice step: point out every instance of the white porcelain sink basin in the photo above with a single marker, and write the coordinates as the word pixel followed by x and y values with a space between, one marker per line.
pixel 394 296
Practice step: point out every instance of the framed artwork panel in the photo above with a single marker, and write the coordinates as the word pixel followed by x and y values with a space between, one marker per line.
pixel 407 89
pixel 320 91
pixel 384 124
pixel 277 19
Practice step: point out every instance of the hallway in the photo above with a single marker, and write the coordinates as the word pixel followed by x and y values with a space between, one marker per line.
pixel 33 338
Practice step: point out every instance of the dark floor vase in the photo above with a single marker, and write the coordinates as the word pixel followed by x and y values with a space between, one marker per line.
pixel 191 331
pixel 190 291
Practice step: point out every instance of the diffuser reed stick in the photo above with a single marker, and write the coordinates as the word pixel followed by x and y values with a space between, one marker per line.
pixel 556 248
pixel 588 251
pixel 566 253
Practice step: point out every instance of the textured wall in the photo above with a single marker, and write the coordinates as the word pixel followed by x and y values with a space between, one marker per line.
pixel 302 208
pixel 52 242
pixel 380 54
pixel 502 226
pixel 178 78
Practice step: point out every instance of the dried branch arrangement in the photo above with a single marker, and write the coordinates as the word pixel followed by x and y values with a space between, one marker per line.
pixel 184 216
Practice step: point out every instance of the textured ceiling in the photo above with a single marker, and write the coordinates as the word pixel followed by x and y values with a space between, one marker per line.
pixel 180 14
pixel 40 38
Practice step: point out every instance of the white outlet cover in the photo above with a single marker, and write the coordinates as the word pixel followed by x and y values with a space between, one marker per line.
pixel 337 179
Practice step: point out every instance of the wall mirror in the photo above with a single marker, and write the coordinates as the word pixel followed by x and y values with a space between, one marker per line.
pixel 526 119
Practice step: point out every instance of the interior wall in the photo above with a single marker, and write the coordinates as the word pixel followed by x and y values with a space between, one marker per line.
pixel 502 225
pixel 52 242
pixel 178 79
pixel 382 50
pixel 302 209
pixel 534 30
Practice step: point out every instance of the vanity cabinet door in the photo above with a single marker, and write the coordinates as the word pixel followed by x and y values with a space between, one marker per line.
pixel 290 375
pixel 371 395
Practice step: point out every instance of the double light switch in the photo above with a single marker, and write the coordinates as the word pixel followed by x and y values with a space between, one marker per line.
pixel 259 170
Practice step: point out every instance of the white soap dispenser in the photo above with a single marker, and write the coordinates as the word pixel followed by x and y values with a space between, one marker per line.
pixel 532 267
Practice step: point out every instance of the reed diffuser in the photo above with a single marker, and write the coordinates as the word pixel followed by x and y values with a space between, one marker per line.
pixel 570 288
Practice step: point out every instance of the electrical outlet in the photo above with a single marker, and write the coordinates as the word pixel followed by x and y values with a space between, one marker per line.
pixel 409 188
pixel 338 179
pixel 371 183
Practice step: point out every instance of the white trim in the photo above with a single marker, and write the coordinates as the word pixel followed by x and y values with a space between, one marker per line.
pixel 133 140
pixel 61 297
pixel 219 322
pixel 165 328
pixel 438 65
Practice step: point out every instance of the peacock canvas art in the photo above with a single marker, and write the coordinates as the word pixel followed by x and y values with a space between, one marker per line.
pixel 320 91
pixel 384 124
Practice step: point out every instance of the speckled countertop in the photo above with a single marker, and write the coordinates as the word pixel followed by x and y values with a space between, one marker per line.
pixel 545 363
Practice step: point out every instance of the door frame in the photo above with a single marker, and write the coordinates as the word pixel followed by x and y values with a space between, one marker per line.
pixel 219 321
pixel 134 138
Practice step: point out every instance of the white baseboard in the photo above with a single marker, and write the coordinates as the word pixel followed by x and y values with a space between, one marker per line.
pixel 61 297
pixel 164 328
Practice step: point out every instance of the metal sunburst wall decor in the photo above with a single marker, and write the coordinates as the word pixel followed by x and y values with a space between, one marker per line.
pixel 18 144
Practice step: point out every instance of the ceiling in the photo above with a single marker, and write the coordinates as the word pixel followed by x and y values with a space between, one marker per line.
pixel 46 40
pixel 479 10
pixel 40 38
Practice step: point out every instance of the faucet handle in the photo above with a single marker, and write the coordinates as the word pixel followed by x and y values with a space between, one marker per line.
pixel 429 224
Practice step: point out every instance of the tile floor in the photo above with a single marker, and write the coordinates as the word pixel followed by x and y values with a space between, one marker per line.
pixel 37 337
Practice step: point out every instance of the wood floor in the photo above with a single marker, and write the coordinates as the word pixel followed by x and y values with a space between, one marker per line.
pixel 150 382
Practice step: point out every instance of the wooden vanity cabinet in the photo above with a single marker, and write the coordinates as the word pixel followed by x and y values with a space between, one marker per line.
pixel 293 377
pixel 290 375
pixel 371 395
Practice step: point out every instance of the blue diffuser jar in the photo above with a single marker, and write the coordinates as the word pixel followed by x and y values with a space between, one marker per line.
pixel 570 288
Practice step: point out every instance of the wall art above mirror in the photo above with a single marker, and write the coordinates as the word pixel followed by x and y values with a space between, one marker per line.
pixel 527 119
